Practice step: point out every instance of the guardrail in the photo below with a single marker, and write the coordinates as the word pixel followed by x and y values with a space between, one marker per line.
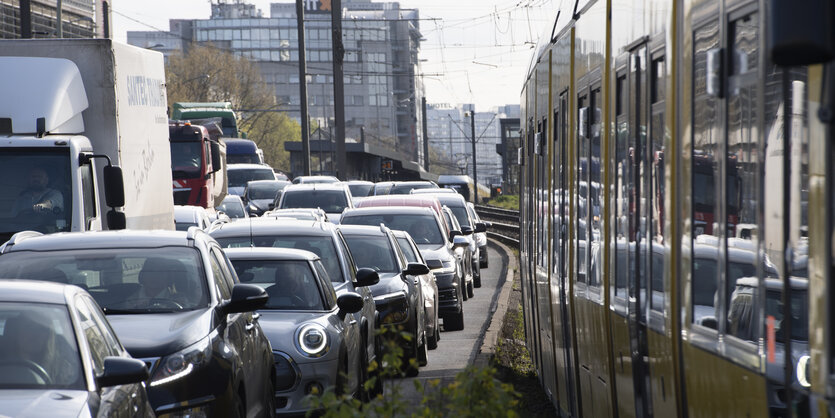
pixel 505 224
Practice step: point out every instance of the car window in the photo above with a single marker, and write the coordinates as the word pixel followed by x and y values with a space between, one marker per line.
pixel 232 207
pixel 461 215
pixel 325 284
pixel 114 347
pixel 424 229
pixel 322 246
pixel 41 334
pixel 239 177
pixel 224 291
pixel 101 344
pixel 373 252
pixel 290 284
pixel 411 257
pixel 330 201
pixel 123 280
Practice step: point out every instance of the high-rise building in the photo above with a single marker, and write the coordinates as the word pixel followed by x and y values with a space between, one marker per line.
pixel 78 17
pixel 383 89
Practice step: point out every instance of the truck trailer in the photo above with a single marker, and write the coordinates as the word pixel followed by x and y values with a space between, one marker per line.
pixel 83 137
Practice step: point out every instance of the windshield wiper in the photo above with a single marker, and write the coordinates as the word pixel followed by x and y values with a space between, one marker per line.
pixel 111 311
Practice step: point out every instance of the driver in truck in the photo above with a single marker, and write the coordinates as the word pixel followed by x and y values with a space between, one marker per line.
pixel 38 197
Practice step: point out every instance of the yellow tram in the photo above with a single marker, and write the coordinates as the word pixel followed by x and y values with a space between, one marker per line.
pixel 677 222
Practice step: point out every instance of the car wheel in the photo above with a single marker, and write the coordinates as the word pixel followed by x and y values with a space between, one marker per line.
pixel 470 291
pixel 342 376
pixel 477 279
pixel 423 353
pixel 465 294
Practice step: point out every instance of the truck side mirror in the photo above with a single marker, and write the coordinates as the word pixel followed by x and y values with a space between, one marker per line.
pixel 114 188
pixel 216 161
pixel 801 32
pixel 116 220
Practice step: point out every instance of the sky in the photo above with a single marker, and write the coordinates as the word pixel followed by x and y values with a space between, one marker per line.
pixel 476 51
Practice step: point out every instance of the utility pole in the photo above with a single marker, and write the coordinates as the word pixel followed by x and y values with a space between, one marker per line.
pixel 25 19
pixel 59 18
pixel 425 137
pixel 338 88
pixel 303 90
pixel 475 166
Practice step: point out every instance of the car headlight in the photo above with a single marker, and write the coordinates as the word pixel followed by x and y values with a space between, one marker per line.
pixel 312 340
pixel 183 362
pixel 393 308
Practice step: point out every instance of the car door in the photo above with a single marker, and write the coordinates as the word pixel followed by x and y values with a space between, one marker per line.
pixel 348 326
pixel 115 401
pixel 234 330
pixel 369 310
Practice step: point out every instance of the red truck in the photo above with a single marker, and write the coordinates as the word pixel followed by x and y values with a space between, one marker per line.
pixel 197 165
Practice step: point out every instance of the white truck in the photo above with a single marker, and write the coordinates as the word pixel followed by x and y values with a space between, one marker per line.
pixel 83 137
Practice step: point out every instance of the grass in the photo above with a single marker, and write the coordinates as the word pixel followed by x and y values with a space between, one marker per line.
pixel 506 202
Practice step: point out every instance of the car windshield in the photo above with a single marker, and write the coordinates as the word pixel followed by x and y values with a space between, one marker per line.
pixel 411 257
pixel 242 159
pixel 407 188
pixel 291 285
pixel 263 190
pixel 185 159
pixel 322 246
pixel 232 208
pixel 461 215
pixel 361 190
pixel 331 201
pixel 240 176
pixel 184 226
pixel 373 252
pixel 424 229
pixel 38 348
pixel 123 280
pixel 35 193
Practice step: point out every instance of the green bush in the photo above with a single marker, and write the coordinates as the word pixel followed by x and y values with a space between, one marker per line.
pixel 475 392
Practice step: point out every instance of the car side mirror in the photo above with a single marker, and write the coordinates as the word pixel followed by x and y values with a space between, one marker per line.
pixel 466 230
pixel 367 277
pixel 271 206
pixel 245 298
pixel 481 227
pixel 349 303
pixel 416 269
pixel 460 242
pixel 116 220
pixel 122 371
pixel 454 233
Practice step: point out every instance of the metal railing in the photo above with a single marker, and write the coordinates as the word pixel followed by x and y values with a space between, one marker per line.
pixel 505 224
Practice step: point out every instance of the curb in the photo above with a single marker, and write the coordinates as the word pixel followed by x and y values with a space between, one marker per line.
pixel 498 310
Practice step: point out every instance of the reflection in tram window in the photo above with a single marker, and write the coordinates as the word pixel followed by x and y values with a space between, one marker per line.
pixel 621 192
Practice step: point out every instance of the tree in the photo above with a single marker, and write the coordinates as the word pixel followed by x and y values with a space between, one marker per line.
pixel 210 74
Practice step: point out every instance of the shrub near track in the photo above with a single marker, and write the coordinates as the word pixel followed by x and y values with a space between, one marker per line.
pixel 475 392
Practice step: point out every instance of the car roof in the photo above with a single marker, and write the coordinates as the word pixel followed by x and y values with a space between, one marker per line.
pixel 364 230
pixel 232 197
pixel 269 254
pixel 256 182
pixel 188 213
pixel 365 182
pixel 315 186
pixel 31 291
pixel 396 210
pixel 101 239
pixel 247 166
pixel 261 227
pixel 455 198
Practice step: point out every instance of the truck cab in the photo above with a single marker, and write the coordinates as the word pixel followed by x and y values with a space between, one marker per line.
pixel 195 158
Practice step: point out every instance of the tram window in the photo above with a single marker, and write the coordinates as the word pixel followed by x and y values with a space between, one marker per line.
pixel 623 169
pixel 705 170
pixel 657 169
pixel 581 189
pixel 594 208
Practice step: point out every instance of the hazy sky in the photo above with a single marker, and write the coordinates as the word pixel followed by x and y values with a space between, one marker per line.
pixel 476 51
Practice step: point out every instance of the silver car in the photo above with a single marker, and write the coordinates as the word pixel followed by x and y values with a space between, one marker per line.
pixel 427 283
pixel 59 356
pixel 316 343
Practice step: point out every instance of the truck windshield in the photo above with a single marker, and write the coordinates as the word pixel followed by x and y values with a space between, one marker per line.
pixel 185 159
pixel 35 192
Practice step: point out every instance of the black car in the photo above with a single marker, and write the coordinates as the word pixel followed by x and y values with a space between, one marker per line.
pixel 398 295
pixel 175 303
pixel 437 248
pixel 58 353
